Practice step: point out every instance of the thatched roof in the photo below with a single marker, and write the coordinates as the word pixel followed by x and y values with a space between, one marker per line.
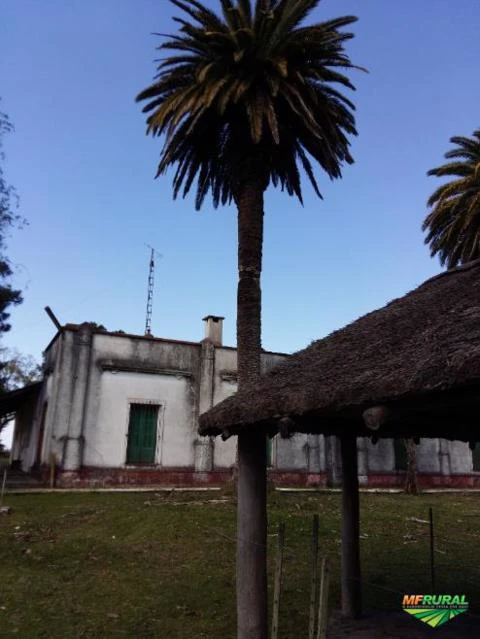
pixel 419 355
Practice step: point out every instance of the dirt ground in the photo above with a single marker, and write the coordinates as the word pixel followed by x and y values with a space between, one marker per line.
pixel 401 626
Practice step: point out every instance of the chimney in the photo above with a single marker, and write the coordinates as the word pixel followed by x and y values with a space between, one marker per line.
pixel 213 329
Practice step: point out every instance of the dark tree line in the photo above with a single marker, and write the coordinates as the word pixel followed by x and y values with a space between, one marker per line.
pixel 16 370
pixel 8 219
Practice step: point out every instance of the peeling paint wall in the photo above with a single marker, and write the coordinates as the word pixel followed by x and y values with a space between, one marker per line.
pixel 381 456
pixel 291 454
pixel 93 377
pixel 106 437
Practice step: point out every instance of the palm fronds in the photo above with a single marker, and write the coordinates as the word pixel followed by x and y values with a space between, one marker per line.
pixel 250 83
pixel 453 224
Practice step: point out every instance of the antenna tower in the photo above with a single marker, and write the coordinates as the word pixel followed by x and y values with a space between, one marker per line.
pixel 151 273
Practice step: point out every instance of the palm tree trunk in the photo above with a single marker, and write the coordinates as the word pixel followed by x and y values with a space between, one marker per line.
pixel 251 487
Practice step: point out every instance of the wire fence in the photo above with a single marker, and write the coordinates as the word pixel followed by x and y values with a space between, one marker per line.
pixel 395 540
pixel 401 558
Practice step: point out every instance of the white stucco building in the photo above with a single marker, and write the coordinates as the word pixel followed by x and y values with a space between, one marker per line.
pixel 115 408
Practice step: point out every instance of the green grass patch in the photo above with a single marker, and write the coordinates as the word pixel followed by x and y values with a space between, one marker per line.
pixel 162 565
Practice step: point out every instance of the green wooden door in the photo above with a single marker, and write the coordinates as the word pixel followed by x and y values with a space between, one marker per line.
pixel 142 434
pixel 269 452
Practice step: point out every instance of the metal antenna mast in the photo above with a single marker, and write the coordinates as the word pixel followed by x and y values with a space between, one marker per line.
pixel 151 273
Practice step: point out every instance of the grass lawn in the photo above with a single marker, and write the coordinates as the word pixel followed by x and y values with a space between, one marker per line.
pixel 161 565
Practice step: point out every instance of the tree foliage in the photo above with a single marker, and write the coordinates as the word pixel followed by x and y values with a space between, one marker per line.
pixel 251 84
pixel 453 224
pixel 8 219
pixel 16 371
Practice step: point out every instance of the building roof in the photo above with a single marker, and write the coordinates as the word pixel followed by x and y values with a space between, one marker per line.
pixel 98 330
pixel 419 355
pixel 13 400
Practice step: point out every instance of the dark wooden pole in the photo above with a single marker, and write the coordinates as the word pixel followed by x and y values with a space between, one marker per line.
pixel 432 557
pixel 314 586
pixel 252 537
pixel 351 587
pixel 278 579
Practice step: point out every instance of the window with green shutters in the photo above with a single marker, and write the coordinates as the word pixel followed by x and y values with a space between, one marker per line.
pixel 269 452
pixel 142 433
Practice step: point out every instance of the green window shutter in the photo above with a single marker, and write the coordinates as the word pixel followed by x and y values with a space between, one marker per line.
pixel 142 434
pixel 269 451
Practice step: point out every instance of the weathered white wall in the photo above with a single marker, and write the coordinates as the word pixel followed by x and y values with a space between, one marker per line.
pixel 428 455
pixel 120 369
pixel 106 440
pixel 91 382
pixel 141 351
pixel 381 456
pixel 225 452
pixel 460 457
pixel 291 454
pixel 225 384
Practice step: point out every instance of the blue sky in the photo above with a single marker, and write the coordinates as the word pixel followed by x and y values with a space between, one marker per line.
pixel 84 169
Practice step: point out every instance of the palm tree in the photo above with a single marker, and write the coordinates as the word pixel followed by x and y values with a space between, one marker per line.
pixel 453 224
pixel 248 98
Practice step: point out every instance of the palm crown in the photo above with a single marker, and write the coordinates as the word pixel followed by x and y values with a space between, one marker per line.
pixel 453 224
pixel 251 90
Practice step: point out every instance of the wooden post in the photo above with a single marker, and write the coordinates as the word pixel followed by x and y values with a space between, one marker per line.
pixel 323 600
pixel 278 579
pixel 252 619
pixel 432 549
pixel 3 486
pixel 4 510
pixel 351 587
pixel 314 584
pixel 53 463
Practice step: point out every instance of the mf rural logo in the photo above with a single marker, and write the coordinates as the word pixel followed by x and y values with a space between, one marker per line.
pixel 435 610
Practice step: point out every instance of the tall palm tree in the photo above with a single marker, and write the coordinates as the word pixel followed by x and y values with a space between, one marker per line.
pixel 247 99
pixel 453 224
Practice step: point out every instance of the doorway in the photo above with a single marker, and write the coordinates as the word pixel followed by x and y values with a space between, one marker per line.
pixel 142 433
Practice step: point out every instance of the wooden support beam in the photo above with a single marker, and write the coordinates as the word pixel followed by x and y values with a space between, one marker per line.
pixel 351 587
pixel 53 317
pixel 286 427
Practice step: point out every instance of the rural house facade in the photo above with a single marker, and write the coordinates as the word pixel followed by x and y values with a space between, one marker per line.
pixel 115 408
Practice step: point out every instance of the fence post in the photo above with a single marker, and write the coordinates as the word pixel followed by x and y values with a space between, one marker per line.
pixel 278 579
pixel 3 486
pixel 314 588
pixel 432 558
pixel 323 600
